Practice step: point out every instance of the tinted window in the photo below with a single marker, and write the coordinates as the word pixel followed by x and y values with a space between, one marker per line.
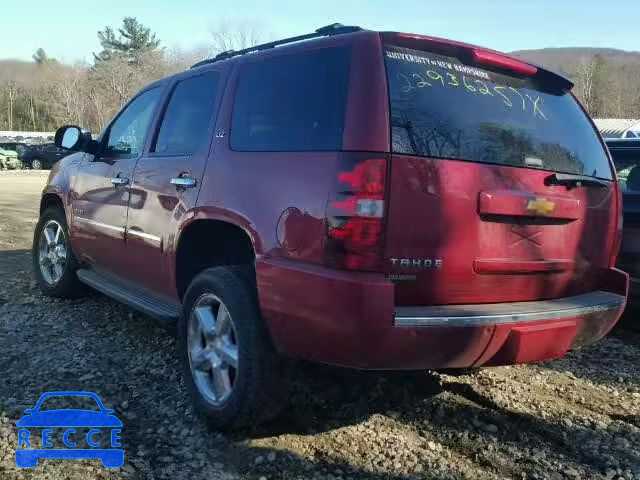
pixel 128 132
pixel 294 102
pixel 188 116
pixel 441 107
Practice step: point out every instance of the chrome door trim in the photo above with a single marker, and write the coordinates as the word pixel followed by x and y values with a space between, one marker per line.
pixel 93 223
pixel 501 313
pixel 146 236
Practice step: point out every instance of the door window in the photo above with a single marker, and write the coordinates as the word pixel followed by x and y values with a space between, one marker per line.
pixel 188 116
pixel 128 132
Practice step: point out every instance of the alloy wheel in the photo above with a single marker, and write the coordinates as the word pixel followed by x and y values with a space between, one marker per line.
pixel 213 349
pixel 52 252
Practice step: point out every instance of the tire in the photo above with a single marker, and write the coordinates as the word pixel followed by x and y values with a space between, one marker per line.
pixel 260 382
pixel 67 285
pixel 36 164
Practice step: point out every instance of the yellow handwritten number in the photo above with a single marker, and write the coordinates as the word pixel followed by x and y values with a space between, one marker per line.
pixel 407 87
pixel 505 99
pixel 421 82
pixel 470 87
pixel 433 75
pixel 520 95
pixel 484 90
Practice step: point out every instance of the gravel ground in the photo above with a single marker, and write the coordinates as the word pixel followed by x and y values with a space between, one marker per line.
pixel 578 417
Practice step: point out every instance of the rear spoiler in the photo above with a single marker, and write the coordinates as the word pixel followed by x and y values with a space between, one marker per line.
pixel 480 56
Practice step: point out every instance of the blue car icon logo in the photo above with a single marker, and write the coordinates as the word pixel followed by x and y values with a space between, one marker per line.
pixel 69 419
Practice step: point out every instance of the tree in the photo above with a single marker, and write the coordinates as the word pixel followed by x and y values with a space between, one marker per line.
pixel 235 35
pixel 11 89
pixel 133 40
pixel 41 57
pixel 590 80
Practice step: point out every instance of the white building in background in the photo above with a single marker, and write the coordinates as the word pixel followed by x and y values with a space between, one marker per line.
pixel 618 127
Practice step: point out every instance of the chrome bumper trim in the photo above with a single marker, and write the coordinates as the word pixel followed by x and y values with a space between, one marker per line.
pixel 500 313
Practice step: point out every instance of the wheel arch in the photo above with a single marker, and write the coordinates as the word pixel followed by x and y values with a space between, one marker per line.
pixel 51 199
pixel 211 242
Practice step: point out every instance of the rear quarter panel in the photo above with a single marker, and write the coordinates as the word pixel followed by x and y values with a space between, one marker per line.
pixel 280 198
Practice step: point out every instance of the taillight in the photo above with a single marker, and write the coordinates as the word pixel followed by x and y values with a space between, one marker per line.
pixel 617 236
pixel 355 213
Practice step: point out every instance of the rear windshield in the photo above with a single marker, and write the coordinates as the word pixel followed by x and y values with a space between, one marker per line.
pixel 442 108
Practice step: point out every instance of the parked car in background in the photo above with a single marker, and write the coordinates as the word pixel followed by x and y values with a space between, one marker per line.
pixel 368 199
pixel 42 156
pixel 626 158
pixel 18 147
pixel 9 160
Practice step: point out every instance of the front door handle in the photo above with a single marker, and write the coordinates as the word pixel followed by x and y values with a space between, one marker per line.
pixel 184 182
pixel 117 181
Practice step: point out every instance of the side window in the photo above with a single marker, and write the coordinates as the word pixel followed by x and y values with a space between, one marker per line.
pixel 186 121
pixel 292 103
pixel 128 132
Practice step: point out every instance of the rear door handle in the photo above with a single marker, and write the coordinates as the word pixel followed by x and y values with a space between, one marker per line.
pixel 119 181
pixel 184 182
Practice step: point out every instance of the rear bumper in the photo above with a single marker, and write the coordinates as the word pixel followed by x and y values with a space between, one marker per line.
pixel 508 313
pixel 349 319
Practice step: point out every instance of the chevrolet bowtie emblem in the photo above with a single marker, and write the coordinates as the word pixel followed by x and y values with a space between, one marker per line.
pixel 541 206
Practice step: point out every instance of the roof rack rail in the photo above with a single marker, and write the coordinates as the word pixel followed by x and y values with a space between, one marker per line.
pixel 329 30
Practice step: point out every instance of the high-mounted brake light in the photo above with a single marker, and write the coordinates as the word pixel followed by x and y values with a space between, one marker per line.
pixel 355 213
pixel 480 55
pixel 502 61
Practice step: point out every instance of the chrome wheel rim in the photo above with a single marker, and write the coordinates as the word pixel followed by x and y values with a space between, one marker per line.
pixel 212 349
pixel 52 252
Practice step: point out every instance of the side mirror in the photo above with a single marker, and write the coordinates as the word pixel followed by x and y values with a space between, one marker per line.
pixel 71 137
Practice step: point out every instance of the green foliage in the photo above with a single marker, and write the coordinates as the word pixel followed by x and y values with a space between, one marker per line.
pixel 41 57
pixel 132 40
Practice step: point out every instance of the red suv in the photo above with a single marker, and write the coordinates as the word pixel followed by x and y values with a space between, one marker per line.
pixel 373 200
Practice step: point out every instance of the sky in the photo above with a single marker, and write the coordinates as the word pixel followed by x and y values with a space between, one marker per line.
pixel 68 30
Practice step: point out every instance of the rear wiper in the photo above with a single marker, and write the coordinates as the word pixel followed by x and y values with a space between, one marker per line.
pixel 573 181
